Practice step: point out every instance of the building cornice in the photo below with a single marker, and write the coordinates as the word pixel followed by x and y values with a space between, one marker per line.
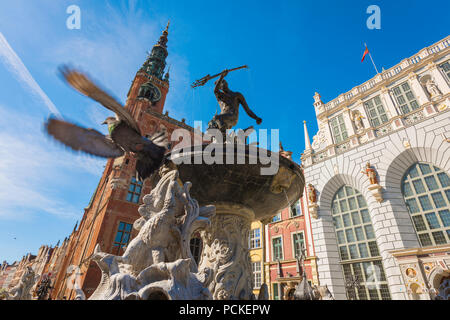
pixel 316 156
pixel 421 251
pixel 424 57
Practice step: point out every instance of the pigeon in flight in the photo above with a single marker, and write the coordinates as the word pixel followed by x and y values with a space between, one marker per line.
pixel 124 134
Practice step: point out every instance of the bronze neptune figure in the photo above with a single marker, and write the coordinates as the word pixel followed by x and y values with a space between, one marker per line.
pixel 229 102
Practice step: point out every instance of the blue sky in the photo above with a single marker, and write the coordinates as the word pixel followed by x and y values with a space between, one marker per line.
pixel 293 48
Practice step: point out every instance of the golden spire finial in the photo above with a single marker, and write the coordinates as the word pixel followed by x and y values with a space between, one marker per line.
pixel 167 27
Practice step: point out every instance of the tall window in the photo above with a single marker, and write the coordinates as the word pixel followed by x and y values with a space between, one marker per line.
pixel 338 129
pixel 196 248
pixel 426 190
pixel 295 209
pixel 276 293
pixel 405 98
pixel 256 270
pixel 255 239
pixel 134 190
pixel 277 248
pixel 298 241
pixel 356 241
pixel 122 237
pixel 376 112
pixel 446 68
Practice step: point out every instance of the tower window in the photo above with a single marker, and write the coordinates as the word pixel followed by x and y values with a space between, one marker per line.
pixel 134 190
pixel 122 237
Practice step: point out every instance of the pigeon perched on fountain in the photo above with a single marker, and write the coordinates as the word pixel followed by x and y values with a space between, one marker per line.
pixel 124 133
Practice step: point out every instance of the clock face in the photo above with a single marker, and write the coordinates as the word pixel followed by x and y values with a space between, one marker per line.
pixel 150 91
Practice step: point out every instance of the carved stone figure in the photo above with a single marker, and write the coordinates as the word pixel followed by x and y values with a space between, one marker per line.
pixel 432 88
pixel 371 173
pixel 158 263
pixel 356 117
pixel 374 187
pixel 312 194
pixel 22 291
pixel 229 102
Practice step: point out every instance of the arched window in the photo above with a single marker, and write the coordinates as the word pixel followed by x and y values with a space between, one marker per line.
pixel 360 258
pixel 426 190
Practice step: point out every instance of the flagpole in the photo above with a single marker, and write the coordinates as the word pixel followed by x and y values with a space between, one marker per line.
pixel 372 60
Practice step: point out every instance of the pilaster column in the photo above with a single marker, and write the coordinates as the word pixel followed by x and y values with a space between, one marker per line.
pixel 328 134
pixel 419 92
pixel 348 122
pixel 391 110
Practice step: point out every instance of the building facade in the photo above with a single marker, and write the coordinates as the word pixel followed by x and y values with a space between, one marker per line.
pixel 288 237
pixel 379 193
pixel 256 251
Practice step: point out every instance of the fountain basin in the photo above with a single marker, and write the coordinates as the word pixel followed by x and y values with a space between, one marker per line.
pixel 241 184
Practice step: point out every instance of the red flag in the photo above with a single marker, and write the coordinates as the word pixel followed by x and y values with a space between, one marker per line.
pixel 364 55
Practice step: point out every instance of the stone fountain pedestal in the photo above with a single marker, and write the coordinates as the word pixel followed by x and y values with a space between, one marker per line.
pixel 241 194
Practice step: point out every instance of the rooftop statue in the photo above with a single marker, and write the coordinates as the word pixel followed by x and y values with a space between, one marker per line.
pixel 124 134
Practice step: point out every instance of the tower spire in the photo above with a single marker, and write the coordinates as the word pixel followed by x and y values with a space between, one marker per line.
pixel 307 141
pixel 156 60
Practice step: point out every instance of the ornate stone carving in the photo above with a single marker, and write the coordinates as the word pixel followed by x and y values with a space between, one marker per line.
pixel 432 88
pixel 320 139
pixel 22 291
pixel 225 251
pixel 282 180
pixel 158 264
pixel 312 197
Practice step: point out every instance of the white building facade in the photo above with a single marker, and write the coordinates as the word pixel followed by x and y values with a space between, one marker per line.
pixel 379 169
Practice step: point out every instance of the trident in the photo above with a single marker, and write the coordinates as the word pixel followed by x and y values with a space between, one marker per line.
pixel 205 79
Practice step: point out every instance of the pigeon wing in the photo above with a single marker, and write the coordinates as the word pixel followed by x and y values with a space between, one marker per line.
pixel 88 140
pixel 151 156
pixel 84 85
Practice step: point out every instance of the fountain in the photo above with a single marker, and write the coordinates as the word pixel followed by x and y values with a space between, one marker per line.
pixel 229 194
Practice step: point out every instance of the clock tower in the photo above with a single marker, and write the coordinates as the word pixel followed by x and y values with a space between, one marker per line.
pixel 109 216
pixel 150 86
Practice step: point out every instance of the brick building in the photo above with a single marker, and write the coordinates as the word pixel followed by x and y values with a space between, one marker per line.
pixel 288 235
pixel 109 217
